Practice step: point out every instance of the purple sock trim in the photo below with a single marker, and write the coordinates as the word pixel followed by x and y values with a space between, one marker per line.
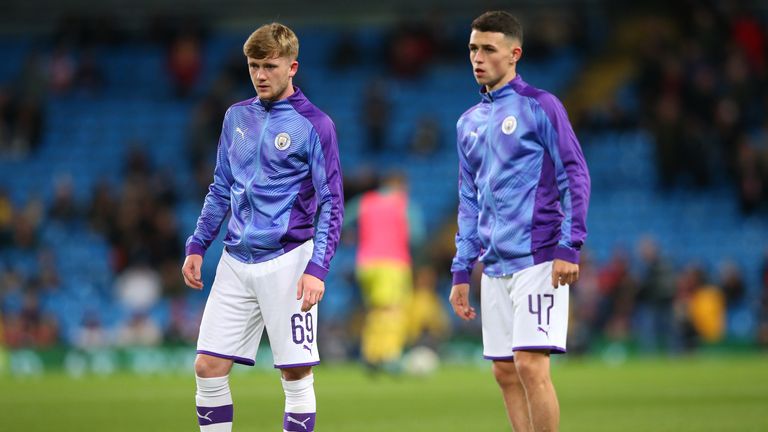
pixel 303 422
pixel 212 415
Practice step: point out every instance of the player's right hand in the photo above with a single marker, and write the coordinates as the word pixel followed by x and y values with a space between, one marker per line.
pixel 459 299
pixel 191 271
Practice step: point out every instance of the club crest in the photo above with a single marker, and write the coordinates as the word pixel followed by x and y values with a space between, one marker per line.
pixel 509 125
pixel 282 141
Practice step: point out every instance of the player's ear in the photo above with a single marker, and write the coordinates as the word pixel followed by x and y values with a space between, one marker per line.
pixel 517 52
pixel 293 68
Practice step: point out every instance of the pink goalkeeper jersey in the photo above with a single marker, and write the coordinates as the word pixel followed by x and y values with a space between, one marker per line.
pixel 383 228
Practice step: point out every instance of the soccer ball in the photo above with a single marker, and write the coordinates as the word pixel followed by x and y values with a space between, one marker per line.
pixel 421 361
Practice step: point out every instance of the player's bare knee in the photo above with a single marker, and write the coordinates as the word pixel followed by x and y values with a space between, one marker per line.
pixel 296 373
pixel 532 368
pixel 210 367
pixel 505 373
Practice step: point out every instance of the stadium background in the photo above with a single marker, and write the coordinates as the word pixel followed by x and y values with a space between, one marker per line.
pixel 110 113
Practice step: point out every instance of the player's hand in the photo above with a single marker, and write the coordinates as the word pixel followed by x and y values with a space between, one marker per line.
pixel 311 289
pixel 564 273
pixel 459 299
pixel 191 271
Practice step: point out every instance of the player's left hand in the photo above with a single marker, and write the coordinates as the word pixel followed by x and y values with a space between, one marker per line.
pixel 311 289
pixel 564 273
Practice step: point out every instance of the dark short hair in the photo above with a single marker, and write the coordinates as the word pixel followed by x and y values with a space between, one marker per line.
pixel 499 22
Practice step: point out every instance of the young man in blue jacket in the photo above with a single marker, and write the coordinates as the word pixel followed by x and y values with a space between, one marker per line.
pixel 277 162
pixel 523 198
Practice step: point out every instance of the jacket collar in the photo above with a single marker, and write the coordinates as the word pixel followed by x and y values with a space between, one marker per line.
pixel 512 87
pixel 297 98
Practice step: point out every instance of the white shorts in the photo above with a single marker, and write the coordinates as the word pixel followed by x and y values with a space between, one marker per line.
pixel 523 312
pixel 245 298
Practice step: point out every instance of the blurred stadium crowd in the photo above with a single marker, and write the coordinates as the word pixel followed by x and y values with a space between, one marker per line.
pixel 107 139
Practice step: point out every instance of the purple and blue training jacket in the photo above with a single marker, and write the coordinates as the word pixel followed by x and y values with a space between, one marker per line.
pixel 277 162
pixel 523 183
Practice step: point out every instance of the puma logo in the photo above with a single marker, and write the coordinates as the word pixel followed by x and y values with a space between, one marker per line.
pixel 241 132
pixel 543 331
pixel 308 349
pixel 302 423
pixel 206 416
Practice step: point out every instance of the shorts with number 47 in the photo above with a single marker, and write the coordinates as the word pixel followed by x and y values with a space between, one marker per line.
pixel 523 312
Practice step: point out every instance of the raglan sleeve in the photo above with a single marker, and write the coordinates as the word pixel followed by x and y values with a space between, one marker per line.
pixel 468 245
pixel 572 176
pixel 326 174
pixel 217 202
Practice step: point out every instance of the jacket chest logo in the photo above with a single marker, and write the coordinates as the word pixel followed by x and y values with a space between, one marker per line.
pixel 282 141
pixel 509 125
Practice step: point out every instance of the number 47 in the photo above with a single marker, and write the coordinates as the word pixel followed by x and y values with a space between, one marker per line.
pixel 537 310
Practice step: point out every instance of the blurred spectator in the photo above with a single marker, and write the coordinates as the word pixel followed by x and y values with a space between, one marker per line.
pixel 90 76
pixel 346 53
pixel 428 322
pixel 363 179
pixel 376 115
pixel 33 78
pixel 184 63
pixel 410 48
pixel 205 130
pixel 62 69
pixel 584 304
pixel 102 209
pixel 732 284
pixel 655 292
pixel 388 225
pixel 706 309
pixel 616 288
pixel 668 129
pixel 164 240
pixel 6 121
pixel 39 329
pixel 91 334
pixel 689 282
pixel 752 189
pixel 25 233
pixel 426 136
pixel 64 209
pixel 6 219
pixel 139 331
pixel 748 33
pixel 762 316
pixel 28 126
pixel 184 318
pixel 21 122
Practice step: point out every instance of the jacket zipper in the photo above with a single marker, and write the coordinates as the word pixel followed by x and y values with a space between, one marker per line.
pixel 256 172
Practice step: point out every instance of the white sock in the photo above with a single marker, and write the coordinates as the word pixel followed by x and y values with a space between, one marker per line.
pixel 214 404
pixel 300 405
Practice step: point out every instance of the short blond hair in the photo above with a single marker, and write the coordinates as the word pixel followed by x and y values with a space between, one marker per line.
pixel 271 41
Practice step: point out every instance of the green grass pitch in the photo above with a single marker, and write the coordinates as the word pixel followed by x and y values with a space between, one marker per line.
pixel 684 394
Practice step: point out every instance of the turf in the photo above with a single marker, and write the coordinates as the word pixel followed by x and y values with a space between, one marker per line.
pixel 686 394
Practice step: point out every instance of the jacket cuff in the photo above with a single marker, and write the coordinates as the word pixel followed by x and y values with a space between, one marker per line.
pixel 193 248
pixel 567 254
pixel 316 270
pixel 460 277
